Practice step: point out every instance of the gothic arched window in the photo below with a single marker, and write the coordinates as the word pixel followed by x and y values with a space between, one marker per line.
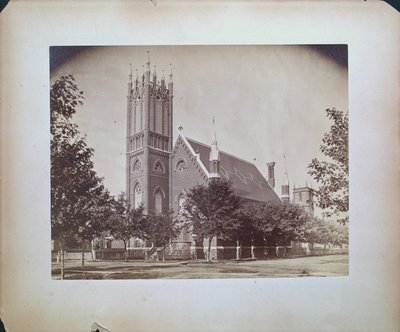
pixel 137 165
pixel 158 202
pixel 181 202
pixel 158 167
pixel 138 192
pixel 181 165
pixel 159 116
pixel 138 117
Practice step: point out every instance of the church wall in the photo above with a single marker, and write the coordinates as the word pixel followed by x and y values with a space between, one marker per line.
pixel 182 181
pixel 158 179
pixel 185 179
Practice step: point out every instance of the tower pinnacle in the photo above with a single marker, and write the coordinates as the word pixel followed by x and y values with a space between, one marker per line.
pixel 214 140
pixel 214 155
pixel 130 72
pixel 170 74
pixel 148 60
pixel 285 173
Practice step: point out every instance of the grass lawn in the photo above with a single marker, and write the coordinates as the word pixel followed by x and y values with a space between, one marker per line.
pixel 329 265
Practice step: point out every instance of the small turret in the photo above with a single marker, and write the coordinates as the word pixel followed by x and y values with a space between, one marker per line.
pixel 137 78
pixel 214 156
pixel 130 80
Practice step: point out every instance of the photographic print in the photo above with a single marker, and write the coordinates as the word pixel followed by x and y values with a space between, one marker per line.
pixel 199 161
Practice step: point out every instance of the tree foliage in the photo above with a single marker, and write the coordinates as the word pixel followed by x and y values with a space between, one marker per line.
pixel 95 217
pixel 212 210
pixel 333 175
pixel 73 180
pixel 326 232
pixel 162 228
pixel 74 183
pixel 277 223
pixel 126 223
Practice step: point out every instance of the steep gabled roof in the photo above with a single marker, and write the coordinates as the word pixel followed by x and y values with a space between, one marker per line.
pixel 247 181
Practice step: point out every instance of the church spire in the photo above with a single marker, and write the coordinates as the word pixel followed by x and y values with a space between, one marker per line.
pixel 214 155
pixel 285 184
pixel 285 173
pixel 214 140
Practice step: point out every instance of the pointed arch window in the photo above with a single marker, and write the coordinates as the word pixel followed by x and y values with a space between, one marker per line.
pixel 138 116
pixel 159 116
pixel 158 167
pixel 158 200
pixel 138 195
pixel 181 202
pixel 137 165
pixel 181 165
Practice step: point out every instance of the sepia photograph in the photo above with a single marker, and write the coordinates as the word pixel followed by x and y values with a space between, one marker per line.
pixel 190 162
pixel 199 166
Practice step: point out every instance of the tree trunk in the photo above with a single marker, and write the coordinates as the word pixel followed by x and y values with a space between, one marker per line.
pixel 209 249
pixel 324 249
pixel 83 253
pixel 252 249
pixel 237 250
pixel 125 252
pixel 62 258
pixel 92 250
pixel 163 255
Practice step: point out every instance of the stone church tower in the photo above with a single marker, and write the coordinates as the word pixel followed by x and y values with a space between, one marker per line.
pixel 149 140
pixel 304 197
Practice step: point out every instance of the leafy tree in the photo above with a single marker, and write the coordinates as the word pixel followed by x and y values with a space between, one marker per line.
pixel 333 175
pixel 162 229
pixel 95 219
pixel 73 180
pixel 128 223
pixel 288 222
pixel 212 210
pixel 250 219
pixel 326 232
pixel 276 223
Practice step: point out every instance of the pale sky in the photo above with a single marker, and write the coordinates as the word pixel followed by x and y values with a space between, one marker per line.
pixel 267 101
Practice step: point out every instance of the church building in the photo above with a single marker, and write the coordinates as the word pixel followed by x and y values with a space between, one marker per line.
pixel 160 174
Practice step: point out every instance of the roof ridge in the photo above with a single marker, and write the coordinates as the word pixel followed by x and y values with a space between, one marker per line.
pixel 221 151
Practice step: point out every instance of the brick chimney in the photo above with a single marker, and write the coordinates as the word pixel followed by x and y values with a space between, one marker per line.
pixel 271 174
